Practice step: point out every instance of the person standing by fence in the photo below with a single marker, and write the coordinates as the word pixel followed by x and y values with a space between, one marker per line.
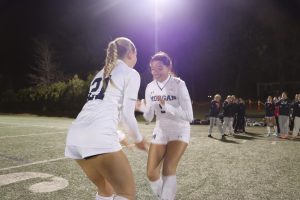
pixel 270 115
pixel 296 116
pixel 284 114
pixel 215 108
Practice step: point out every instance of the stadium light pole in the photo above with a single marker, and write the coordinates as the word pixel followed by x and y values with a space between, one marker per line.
pixel 156 21
pixel 159 7
pixel 165 10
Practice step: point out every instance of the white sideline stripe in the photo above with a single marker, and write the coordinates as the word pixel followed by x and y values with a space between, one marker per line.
pixel 30 125
pixel 34 163
pixel 273 142
pixel 40 134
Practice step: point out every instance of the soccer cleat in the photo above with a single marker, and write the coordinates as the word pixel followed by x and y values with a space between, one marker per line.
pixel 283 137
pixel 209 136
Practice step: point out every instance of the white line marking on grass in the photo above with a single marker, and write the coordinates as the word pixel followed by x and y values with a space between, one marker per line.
pixel 54 184
pixel 29 125
pixel 274 142
pixel 34 163
pixel 40 134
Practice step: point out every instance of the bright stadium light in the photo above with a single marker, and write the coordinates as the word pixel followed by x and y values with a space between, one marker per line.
pixel 160 7
pixel 165 10
pixel 159 15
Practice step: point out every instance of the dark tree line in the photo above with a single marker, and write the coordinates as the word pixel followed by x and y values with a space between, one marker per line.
pixel 227 49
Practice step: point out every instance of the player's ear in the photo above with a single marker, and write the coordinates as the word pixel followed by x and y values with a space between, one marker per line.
pixel 130 55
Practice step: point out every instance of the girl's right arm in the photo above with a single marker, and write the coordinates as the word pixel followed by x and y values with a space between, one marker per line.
pixel 127 115
pixel 146 106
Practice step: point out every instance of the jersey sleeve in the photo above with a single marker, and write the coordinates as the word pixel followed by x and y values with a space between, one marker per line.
pixel 121 135
pixel 185 110
pixel 127 115
pixel 148 109
pixel 132 86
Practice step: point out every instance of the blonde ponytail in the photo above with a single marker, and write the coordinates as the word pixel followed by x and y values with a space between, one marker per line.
pixel 111 58
pixel 117 49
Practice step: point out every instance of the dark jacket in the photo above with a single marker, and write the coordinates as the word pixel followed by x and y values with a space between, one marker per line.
pixel 235 108
pixel 270 109
pixel 241 112
pixel 229 109
pixel 284 107
pixel 215 108
pixel 296 109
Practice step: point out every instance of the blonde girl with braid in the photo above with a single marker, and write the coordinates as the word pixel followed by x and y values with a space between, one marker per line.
pixel 92 139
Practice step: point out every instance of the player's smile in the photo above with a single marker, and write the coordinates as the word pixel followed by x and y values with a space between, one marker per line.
pixel 159 71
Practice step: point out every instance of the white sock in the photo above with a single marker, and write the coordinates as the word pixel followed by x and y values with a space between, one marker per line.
pixel 169 188
pixel 98 197
pixel 275 129
pixel 268 129
pixel 156 186
pixel 119 198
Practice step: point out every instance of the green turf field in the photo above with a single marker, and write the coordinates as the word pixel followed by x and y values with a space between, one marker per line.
pixel 249 166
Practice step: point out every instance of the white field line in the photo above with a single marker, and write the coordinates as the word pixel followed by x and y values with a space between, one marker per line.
pixel 34 163
pixel 47 161
pixel 30 125
pixel 28 135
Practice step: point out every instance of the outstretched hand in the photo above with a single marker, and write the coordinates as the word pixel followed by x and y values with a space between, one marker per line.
pixel 143 145
pixel 139 104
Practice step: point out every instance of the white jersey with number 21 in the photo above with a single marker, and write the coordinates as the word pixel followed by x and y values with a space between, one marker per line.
pixel 96 124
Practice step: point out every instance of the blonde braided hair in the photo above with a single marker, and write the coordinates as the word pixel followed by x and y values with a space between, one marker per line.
pixel 111 58
pixel 117 49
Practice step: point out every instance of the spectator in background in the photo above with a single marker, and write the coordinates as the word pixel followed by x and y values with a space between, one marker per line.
pixel 291 115
pixel 215 108
pixel 235 108
pixel 276 113
pixel 250 104
pixel 284 112
pixel 259 103
pixel 270 115
pixel 241 112
pixel 296 116
pixel 228 112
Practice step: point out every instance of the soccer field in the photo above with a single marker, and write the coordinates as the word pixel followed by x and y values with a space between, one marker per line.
pixel 247 166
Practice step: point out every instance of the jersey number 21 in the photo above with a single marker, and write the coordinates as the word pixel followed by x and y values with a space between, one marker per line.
pixel 95 87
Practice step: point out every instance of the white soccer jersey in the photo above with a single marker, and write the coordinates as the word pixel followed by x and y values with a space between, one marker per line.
pixel 96 124
pixel 177 112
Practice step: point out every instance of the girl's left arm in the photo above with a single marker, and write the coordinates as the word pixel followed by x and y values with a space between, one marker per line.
pixel 185 110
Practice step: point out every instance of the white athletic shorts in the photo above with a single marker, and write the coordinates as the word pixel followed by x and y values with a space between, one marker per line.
pixel 77 152
pixel 163 136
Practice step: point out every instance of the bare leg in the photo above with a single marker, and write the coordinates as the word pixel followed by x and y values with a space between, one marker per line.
pixel 110 172
pixel 155 157
pixel 175 150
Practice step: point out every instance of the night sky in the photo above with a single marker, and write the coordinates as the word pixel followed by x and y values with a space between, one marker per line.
pixel 225 46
